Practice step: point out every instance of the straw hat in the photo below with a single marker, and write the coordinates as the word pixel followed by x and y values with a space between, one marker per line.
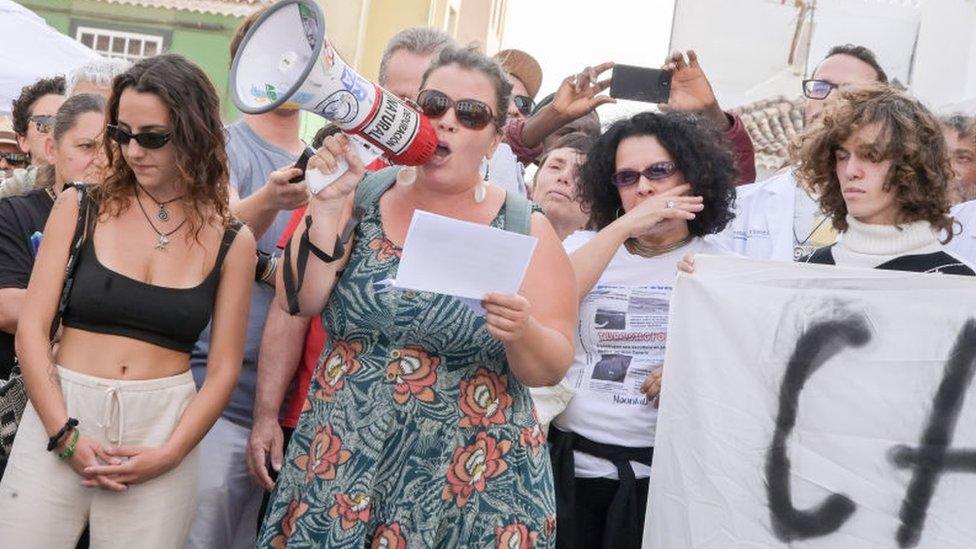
pixel 522 66
pixel 7 135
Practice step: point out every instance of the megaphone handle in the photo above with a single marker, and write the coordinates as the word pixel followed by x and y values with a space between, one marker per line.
pixel 366 152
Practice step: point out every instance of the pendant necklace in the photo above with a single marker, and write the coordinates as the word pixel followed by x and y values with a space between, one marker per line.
pixel 163 237
pixel 163 213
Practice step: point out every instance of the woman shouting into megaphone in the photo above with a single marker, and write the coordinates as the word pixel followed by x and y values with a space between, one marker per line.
pixel 418 429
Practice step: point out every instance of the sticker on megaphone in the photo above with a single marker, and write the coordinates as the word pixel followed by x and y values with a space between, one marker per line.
pixel 366 151
pixel 285 60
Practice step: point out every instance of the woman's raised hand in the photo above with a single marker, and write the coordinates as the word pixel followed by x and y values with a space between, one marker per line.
pixel 669 204
pixel 326 160
pixel 579 94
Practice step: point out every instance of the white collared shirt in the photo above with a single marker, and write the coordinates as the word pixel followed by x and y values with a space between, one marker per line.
pixel 963 244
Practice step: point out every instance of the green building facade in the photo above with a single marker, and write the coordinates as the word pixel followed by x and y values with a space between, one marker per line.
pixel 201 30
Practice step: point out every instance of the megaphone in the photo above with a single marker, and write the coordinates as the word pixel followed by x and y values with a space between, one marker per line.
pixel 286 61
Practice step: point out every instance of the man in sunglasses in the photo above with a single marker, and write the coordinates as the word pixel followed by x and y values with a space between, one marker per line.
pixel 11 156
pixel 33 114
pixel 777 219
pixel 525 75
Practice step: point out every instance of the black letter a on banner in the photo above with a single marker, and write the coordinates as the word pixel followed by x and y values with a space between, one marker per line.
pixel 932 457
pixel 814 348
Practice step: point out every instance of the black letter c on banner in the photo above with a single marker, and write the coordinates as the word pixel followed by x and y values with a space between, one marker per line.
pixel 813 349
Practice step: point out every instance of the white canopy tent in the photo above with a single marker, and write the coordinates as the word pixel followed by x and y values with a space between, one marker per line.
pixel 31 49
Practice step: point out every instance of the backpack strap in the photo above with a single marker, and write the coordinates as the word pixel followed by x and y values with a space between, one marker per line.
pixel 84 223
pixel 372 187
pixel 230 233
pixel 518 213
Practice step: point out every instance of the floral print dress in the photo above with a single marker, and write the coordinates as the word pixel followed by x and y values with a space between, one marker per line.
pixel 415 433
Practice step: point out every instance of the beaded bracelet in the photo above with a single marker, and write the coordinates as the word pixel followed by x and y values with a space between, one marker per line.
pixel 70 448
pixel 53 442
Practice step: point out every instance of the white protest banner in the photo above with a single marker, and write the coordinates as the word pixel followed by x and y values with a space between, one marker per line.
pixel 810 406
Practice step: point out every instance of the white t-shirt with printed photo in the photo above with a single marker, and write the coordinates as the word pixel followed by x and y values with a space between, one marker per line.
pixel 620 339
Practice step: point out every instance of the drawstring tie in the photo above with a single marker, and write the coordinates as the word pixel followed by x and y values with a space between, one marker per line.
pixel 113 411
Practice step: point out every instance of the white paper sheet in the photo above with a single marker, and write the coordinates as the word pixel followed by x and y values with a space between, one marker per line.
pixel 466 260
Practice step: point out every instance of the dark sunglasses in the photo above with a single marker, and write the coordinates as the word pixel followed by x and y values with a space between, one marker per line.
pixel 42 122
pixel 471 113
pixel 658 170
pixel 524 104
pixel 146 140
pixel 818 89
pixel 19 159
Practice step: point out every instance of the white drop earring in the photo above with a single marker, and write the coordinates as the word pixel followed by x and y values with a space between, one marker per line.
pixel 406 176
pixel 481 189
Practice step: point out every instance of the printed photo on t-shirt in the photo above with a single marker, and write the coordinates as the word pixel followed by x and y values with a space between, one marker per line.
pixel 623 332
pixel 612 367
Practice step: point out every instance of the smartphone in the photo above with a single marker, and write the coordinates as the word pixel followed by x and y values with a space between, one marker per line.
pixel 302 161
pixel 640 84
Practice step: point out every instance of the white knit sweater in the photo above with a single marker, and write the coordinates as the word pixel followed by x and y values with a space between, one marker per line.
pixel 868 246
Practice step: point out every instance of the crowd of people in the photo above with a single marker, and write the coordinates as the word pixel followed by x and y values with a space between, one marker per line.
pixel 214 357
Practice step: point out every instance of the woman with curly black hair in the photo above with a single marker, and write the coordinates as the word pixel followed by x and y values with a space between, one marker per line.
pixel 881 166
pixel 654 185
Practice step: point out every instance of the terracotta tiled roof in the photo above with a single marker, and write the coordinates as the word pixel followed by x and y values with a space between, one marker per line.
pixel 240 8
pixel 772 124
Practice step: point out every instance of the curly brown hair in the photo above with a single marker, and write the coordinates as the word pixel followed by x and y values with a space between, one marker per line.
pixel 198 136
pixel 920 171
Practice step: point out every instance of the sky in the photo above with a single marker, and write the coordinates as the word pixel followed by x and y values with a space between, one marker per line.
pixel 565 36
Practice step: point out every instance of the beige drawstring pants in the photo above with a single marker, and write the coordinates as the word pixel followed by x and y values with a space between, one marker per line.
pixel 42 502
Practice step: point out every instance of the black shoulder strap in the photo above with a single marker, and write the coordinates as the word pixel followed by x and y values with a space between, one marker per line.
pixel 230 233
pixel 85 220
pixel 368 191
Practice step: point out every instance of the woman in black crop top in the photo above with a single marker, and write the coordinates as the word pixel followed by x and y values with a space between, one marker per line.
pixel 879 162
pixel 114 416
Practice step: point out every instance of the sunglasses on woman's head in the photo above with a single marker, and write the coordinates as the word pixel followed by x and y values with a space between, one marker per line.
pixel 15 159
pixel 658 170
pixel 524 104
pixel 146 140
pixel 471 113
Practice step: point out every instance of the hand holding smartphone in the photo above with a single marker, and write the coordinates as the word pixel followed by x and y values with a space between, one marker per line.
pixel 640 84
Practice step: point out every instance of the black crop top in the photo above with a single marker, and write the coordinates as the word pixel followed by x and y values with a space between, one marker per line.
pixel 106 302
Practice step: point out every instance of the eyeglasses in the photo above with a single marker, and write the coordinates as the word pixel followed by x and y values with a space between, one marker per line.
pixel 658 170
pixel 471 113
pixel 818 89
pixel 42 122
pixel 15 159
pixel 146 140
pixel 524 104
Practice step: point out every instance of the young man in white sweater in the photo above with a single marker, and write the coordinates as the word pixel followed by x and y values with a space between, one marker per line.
pixel 877 161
